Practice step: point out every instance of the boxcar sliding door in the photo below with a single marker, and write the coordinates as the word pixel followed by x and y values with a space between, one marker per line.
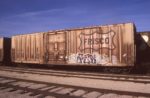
pixel 55 51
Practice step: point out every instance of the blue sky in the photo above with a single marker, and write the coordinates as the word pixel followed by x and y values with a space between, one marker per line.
pixel 29 16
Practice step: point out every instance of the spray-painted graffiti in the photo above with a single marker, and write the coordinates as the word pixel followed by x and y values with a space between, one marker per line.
pixel 86 58
pixel 97 40
pixel 94 58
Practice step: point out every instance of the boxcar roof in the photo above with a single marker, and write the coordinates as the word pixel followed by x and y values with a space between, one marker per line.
pixel 78 28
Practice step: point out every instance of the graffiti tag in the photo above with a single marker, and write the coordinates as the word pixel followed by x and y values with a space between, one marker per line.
pixel 86 58
pixel 93 58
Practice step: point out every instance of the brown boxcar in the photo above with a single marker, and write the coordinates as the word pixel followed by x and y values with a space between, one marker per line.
pixel 109 45
pixel 5 47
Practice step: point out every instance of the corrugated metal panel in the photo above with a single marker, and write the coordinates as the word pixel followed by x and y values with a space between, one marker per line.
pixel 23 46
pixel 1 49
pixel 111 45
pixel 27 48
pixel 16 49
pixel 13 55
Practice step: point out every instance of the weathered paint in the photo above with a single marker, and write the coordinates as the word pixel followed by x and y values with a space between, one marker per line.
pixel 55 46
pixel 1 49
pixel 110 45
pixel 105 39
pixel 27 48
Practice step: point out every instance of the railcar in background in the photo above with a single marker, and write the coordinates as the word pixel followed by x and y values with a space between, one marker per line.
pixel 5 46
pixel 108 45
pixel 143 48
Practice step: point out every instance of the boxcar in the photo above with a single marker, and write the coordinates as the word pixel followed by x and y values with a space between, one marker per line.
pixel 108 45
pixel 143 48
pixel 5 46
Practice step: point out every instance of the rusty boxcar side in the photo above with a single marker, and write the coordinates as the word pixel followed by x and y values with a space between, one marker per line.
pixel 110 45
pixel 27 48
pixel 5 46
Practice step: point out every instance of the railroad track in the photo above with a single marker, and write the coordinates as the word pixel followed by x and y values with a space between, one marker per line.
pixel 114 77
pixel 21 88
pixel 23 82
